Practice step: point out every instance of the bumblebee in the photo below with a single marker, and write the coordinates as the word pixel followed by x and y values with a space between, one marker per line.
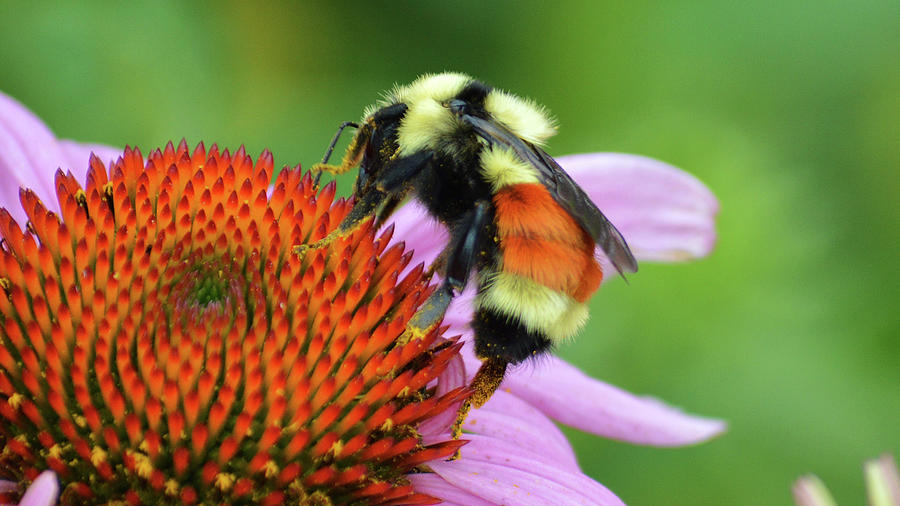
pixel 519 225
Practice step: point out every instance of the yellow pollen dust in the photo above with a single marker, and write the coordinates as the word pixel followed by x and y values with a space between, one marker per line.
pixel 98 456
pixel 143 466
pixel 5 284
pixel 15 400
pixel 387 425
pixel 297 487
pixel 108 189
pixel 171 487
pixel 270 469
pixel 81 198
pixel 55 451
pixel 337 448
pixel 411 334
pixel 224 481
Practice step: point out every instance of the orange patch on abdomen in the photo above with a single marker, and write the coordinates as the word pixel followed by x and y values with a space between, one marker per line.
pixel 541 241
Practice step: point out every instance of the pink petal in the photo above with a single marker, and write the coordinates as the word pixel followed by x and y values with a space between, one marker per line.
pixel 435 486
pixel 503 473
pixel 421 233
pixel 78 155
pixel 664 213
pixel 567 395
pixel 42 492
pixel 29 155
pixel 459 314
pixel 510 419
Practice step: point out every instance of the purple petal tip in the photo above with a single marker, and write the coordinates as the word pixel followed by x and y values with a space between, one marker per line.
pixel 43 491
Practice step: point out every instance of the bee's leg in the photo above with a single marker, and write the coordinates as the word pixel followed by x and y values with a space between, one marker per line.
pixel 461 253
pixel 467 239
pixel 352 157
pixel 364 207
pixel 386 188
pixel 319 168
pixel 484 384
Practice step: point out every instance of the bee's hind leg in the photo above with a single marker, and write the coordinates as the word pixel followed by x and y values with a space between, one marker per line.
pixel 483 386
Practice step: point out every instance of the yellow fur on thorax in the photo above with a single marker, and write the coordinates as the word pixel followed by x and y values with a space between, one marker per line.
pixel 540 309
pixel 501 167
pixel 523 117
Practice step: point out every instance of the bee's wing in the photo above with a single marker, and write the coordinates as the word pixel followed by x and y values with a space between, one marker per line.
pixel 564 189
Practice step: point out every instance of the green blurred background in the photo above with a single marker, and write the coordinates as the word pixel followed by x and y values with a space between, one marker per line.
pixel 789 111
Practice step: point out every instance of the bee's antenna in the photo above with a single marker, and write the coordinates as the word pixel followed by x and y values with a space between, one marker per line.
pixel 331 146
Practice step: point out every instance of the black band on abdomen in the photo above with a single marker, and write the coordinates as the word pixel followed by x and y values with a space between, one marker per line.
pixel 504 337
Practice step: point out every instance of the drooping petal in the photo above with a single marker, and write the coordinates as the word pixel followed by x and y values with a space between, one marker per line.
pixel 569 396
pixel 508 418
pixel 503 473
pixel 664 213
pixel 42 492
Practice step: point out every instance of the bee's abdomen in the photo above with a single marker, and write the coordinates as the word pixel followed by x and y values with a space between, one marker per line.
pixel 540 241
pixel 545 272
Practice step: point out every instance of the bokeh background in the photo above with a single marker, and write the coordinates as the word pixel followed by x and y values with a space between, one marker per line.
pixel 789 111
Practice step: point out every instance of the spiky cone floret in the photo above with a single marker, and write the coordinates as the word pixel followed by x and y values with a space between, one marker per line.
pixel 162 344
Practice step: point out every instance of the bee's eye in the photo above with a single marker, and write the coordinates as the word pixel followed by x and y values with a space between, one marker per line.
pixel 459 107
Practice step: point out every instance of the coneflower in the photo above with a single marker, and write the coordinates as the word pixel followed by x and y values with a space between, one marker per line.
pixel 162 342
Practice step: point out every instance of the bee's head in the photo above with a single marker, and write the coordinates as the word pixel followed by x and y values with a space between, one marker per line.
pixel 435 104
